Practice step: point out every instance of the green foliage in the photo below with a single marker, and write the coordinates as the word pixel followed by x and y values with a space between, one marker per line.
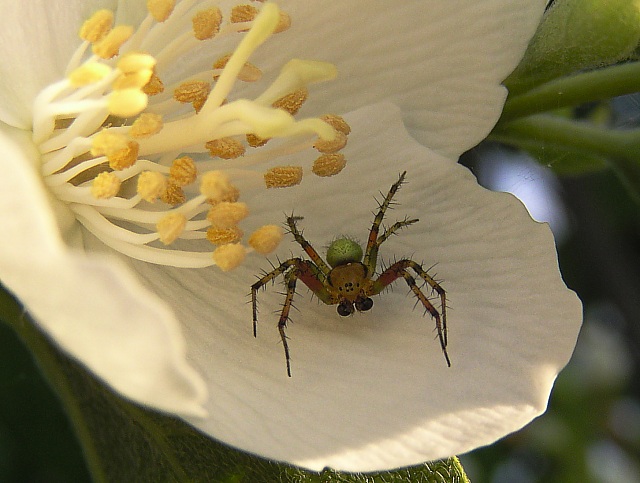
pixel 125 442
pixel 576 35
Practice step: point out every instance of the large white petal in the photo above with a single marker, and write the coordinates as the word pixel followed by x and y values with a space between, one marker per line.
pixel 91 306
pixel 441 61
pixel 373 391
pixel 37 40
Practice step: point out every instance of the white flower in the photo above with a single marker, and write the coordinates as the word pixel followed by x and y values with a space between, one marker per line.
pixel 368 392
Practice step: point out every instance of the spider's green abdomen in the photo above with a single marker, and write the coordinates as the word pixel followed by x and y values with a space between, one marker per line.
pixel 343 251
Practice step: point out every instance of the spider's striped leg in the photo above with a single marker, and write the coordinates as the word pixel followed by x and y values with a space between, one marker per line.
pixel 306 246
pixel 371 252
pixel 290 280
pixel 394 228
pixel 284 266
pixel 294 269
pixel 400 269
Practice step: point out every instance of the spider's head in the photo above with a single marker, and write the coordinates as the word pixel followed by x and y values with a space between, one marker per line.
pixel 343 251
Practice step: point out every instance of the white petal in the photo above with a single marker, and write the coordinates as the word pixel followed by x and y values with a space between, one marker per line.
pixel 37 40
pixel 373 391
pixel 441 61
pixel 91 306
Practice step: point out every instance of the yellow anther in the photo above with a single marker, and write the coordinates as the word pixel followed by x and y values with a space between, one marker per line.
pixel 329 164
pixel 96 26
pixel 151 185
pixel 173 195
pixel 229 256
pixel 266 239
pixel 125 158
pixel 225 148
pixel 292 102
pixel 146 125
pixel 284 23
pixel 195 92
pixel 256 141
pixel 170 227
pixel 132 80
pixel 183 171
pixel 283 176
pixel 107 142
pixel 106 185
pixel 160 10
pixel 206 23
pixel 135 61
pixel 110 44
pixel 331 146
pixel 154 86
pixel 232 195
pixel 88 74
pixel 222 236
pixel 243 13
pixel 215 185
pixel 248 73
pixel 127 102
pixel 337 122
pixel 226 214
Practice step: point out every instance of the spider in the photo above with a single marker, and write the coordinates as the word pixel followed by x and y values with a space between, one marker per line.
pixel 346 279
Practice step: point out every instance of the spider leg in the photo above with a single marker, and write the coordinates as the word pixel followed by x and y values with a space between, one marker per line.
pixel 371 251
pixel 284 266
pixel 293 269
pixel 306 246
pixel 400 269
pixel 394 228
pixel 290 278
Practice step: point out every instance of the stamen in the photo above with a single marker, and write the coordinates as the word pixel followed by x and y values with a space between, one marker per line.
pixel 229 256
pixel 140 169
pixel 96 26
pixel 222 236
pixel 160 10
pixel 225 148
pixel 183 171
pixel 328 146
pixel 292 102
pixel 329 164
pixel 227 214
pixel 151 185
pixel 106 185
pixel 170 227
pixel 266 239
pixel 206 23
pixel 337 122
pixel 109 46
pixel 146 125
pixel 124 158
pixel 283 177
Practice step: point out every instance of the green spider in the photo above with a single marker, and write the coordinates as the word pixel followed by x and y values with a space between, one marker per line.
pixel 349 283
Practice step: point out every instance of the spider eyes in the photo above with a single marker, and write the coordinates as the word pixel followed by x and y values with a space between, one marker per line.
pixel 345 309
pixel 364 304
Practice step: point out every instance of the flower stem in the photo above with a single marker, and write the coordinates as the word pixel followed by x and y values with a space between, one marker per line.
pixel 51 367
pixel 621 149
pixel 574 90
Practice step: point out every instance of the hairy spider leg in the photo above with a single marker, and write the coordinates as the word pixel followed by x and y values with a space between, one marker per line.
pixel 399 269
pixel 293 269
pixel 371 253
pixel 306 246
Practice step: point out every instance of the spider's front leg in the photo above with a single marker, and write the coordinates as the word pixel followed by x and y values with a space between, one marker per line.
pixel 293 269
pixel 400 269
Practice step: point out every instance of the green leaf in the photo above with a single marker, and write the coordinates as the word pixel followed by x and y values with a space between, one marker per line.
pixel 575 35
pixel 125 442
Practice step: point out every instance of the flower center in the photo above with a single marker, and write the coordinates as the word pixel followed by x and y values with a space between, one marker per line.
pixel 149 149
